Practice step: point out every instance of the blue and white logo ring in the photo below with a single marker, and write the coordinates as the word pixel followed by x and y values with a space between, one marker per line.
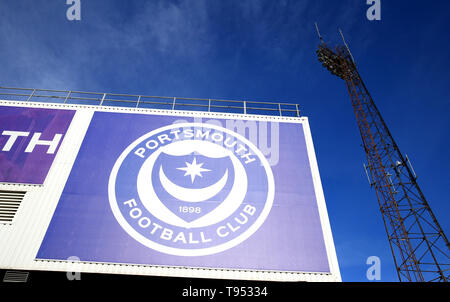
pixel 217 172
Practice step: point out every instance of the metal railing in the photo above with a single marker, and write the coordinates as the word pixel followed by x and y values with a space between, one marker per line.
pixel 150 102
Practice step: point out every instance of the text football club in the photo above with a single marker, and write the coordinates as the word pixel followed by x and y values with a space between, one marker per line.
pixel 191 189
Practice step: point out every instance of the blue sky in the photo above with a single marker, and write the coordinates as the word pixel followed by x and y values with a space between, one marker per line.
pixel 265 51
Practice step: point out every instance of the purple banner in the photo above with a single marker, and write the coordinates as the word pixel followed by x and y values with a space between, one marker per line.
pixel 29 141
pixel 171 191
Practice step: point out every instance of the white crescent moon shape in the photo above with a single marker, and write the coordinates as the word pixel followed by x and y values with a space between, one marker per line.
pixel 192 195
pixel 155 206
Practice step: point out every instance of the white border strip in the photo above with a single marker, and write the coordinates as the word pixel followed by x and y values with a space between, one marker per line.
pixel 323 213
pixel 149 111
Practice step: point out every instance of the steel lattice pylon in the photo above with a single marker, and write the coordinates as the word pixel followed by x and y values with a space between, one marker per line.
pixel 417 241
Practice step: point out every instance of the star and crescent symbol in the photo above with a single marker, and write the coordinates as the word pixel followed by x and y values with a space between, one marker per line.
pixel 193 169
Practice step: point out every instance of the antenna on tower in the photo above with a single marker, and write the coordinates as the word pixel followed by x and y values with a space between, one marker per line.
pixel 318 33
pixel 348 49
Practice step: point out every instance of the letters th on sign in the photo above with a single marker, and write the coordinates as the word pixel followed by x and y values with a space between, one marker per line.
pixel 29 141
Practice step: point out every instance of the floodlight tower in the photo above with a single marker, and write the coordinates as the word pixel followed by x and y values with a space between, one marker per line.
pixel 417 241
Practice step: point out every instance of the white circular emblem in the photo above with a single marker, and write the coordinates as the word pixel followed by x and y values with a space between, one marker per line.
pixel 191 189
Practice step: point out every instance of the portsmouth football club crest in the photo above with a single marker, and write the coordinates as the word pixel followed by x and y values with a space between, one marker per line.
pixel 191 189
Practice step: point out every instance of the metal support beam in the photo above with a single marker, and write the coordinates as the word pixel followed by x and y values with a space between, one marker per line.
pixel 98 99
pixel 103 99
pixel 420 249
